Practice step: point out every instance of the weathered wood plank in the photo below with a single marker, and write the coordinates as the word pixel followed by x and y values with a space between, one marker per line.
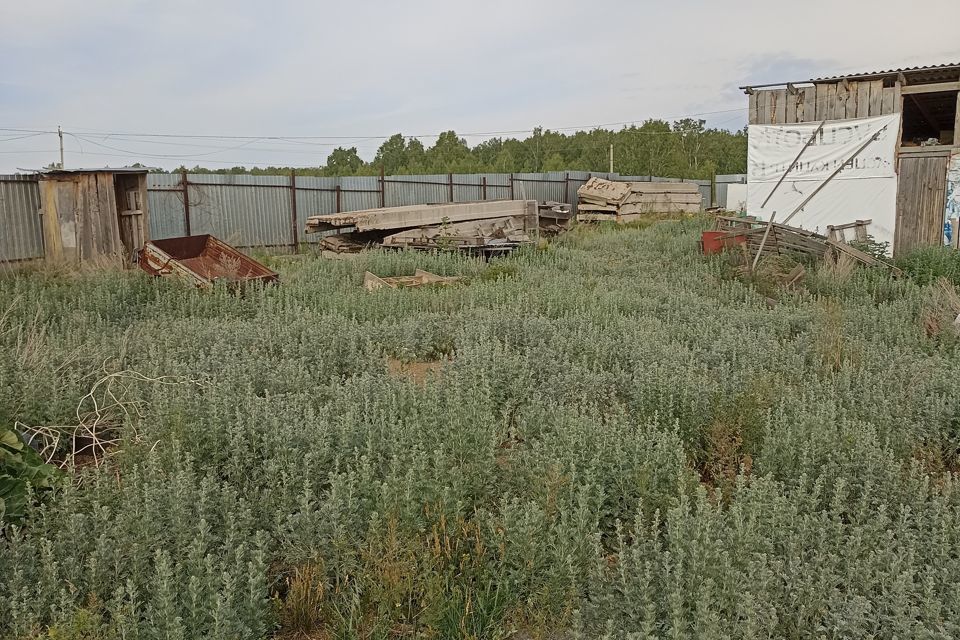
pixel 809 104
pixel 88 212
pixel 821 102
pixel 764 107
pixel 780 106
pixel 831 107
pixel 753 108
pixel 853 93
pixel 792 105
pixel 863 99
pixel 840 105
pixel 937 87
pixel 886 106
pixel 876 98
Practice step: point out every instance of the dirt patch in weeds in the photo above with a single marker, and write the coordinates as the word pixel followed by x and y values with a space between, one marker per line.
pixel 418 372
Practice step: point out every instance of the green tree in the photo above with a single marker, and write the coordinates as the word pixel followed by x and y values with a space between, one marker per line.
pixel 682 149
pixel 450 153
pixel 392 155
pixel 343 162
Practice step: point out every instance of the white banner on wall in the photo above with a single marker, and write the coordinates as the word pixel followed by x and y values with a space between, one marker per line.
pixel 865 189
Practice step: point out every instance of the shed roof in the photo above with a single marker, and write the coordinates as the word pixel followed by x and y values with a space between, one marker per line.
pixel 914 75
pixel 95 170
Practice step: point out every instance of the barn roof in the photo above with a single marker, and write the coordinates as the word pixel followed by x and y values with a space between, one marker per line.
pixel 948 71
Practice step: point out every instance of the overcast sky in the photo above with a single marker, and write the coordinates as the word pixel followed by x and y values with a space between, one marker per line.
pixel 346 73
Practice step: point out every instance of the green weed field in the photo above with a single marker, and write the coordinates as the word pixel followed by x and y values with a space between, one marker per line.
pixel 611 438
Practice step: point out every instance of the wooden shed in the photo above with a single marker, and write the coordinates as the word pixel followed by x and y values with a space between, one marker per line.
pixel 927 145
pixel 94 215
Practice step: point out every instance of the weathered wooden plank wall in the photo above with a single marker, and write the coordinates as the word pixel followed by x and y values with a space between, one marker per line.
pixel 80 217
pixel 828 101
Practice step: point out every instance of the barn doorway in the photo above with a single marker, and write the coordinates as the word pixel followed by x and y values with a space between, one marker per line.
pixel 929 119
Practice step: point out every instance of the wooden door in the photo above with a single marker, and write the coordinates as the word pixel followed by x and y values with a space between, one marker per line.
pixel 59 204
pixel 921 201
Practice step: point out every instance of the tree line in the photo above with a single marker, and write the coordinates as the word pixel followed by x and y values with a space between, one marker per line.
pixel 682 149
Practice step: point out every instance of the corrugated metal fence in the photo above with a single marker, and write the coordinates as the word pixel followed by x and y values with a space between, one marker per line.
pixel 20 235
pixel 270 211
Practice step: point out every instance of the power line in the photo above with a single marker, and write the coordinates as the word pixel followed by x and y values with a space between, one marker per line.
pixel 86 131
pixel 99 139
pixel 211 146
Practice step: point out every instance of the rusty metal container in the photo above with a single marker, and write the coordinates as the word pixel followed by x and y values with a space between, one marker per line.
pixel 717 241
pixel 203 259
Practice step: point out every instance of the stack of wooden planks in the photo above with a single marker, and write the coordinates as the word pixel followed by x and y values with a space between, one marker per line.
pixel 622 202
pixel 477 227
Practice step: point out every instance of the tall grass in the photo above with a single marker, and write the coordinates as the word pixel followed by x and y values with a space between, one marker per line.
pixel 622 442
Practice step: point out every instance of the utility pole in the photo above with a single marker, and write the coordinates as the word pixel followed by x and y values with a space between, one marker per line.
pixel 60 133
pixel 611 157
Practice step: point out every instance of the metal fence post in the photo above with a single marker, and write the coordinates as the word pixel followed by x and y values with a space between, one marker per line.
pixel 383 189
pixel 566 187
pixel 450 186
pixel 511 187
pixel 483 187
pixel 294 237
pixel 337 190
pixel 185 185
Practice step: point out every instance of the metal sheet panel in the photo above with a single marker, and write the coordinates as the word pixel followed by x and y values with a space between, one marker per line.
pixel 539 186
pixel 467 187
pixel 165 204
pixel 315 196
pixel 498 185
pixel 21 236
pixel 244 211
pixel 408 190
pixel 359 193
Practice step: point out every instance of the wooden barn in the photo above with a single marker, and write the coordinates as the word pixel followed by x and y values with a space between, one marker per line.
pixel 916 107
pixel 94 215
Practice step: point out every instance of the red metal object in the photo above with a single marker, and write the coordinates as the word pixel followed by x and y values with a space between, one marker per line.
pixel 203 259
pixel 717 241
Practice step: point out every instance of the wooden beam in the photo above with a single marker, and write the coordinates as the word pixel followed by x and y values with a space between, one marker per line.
pixel 937 87
pixel 926 114
pixel 931 151
pixel 901 79
pixel 763 241
pixel 956 134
